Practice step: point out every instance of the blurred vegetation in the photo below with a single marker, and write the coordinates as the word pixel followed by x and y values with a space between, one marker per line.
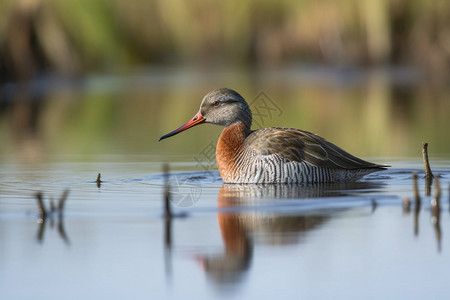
pixel 371 119
pixel 194 46
pixel 77 36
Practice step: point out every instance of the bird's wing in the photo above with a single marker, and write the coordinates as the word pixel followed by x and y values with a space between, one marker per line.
pixel 298 145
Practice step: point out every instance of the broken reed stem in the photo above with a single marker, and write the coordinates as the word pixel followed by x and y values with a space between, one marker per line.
pixel 426 162
pixel 167 211
pixel 99 181
pixel 52 206
pixel 62 201
pixel 42 211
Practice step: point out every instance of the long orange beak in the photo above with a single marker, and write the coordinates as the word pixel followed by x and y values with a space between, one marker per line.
pixel 197 119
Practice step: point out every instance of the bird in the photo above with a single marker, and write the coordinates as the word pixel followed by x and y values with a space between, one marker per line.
pixel 271 155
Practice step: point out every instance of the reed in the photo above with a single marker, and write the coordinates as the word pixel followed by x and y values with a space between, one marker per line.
pixel 73 36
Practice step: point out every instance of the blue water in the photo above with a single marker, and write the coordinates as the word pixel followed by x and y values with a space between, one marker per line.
pixel 342 241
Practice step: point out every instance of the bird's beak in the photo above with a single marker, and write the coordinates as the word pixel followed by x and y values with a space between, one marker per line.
pixel 197 119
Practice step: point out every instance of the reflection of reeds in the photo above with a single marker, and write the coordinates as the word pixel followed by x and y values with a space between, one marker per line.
pixel 416 190
pixel 168 221
pixel 167 210
pixel 436 210
pixel 406 205
pixel 436 201
pixel 44 215
pixel 416 203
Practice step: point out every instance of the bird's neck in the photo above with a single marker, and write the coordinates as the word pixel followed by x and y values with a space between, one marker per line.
pixel 229 146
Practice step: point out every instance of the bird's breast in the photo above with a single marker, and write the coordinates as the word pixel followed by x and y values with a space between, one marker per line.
pixel 230 149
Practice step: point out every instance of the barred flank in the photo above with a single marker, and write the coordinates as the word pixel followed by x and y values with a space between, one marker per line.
pixel 252 168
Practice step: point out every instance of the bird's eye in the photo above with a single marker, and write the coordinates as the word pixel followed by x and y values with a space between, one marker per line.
pixel 216 103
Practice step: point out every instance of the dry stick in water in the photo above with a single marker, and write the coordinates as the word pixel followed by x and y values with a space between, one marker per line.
pixel 61 230
pixel 62 201
pixel 99 181
pixel 428 173
pixel 42 211
pixel 426 162
pixel 52 206
pixel 42 216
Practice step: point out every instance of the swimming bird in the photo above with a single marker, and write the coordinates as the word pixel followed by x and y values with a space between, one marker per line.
pixel 271 155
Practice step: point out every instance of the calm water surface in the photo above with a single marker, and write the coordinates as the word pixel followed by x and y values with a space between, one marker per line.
pixel 246 241
pixel 342 241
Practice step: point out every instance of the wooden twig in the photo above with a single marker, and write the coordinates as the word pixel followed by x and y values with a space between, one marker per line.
pixel 62 201
pixel 52 206
pixel 62 231
pixel 426 163
pixel 41 207
pixel 42 216
pixel 99 181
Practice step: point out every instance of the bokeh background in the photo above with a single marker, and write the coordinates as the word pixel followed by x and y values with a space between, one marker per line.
pixel 85 79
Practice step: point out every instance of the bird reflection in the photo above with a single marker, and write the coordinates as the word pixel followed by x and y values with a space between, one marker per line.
pixel 241 228
pixel 245 192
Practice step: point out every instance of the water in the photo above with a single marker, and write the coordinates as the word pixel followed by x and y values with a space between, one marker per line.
pixel 317 241
pixel 343 241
